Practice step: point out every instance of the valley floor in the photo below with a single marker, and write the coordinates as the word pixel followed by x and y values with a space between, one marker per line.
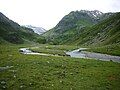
pixel 113 49
pixel 31 72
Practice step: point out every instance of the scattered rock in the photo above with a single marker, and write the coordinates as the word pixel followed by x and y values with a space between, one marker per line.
pixel 48 62
pixel 4 87
pixel 61 81
pixel 52 85
pixel 31 83
pixel 13 71
pixel 21 86
pixel 71 73
pixel 3 82
pixel 14 76
pixel 4 68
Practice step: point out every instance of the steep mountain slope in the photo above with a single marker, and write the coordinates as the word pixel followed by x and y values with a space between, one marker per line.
pixel 13 32
pixel 73 23
pixel 38 30
pixel 104 33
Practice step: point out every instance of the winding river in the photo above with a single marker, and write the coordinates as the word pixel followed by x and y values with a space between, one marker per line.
pixel 79 53
pixel 28 51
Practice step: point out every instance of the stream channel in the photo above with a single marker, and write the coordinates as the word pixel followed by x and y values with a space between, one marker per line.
pixel 79 53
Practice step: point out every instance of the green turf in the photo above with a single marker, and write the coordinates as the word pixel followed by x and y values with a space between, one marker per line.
pixel 108 49
pixel 31 72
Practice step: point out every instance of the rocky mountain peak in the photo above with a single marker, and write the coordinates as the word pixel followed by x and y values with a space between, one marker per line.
pixel 94 14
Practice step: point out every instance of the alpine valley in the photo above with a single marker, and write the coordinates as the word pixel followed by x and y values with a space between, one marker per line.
pixel 82 52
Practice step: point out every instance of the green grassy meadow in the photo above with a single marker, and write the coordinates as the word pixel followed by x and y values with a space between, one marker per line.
pixel 35 72
pixel 113 49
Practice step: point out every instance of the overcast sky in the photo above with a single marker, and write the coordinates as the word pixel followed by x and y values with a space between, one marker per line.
pixel 47 13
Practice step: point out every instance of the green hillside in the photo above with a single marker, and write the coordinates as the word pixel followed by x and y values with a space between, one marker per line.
pixel 104 33
pixel 14 33
pixel 73 24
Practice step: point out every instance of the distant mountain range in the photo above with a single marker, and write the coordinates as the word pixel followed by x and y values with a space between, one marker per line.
pixel 80 19
pixel 77 28
pixel 12 32
pixel 38 30
pixel 86 28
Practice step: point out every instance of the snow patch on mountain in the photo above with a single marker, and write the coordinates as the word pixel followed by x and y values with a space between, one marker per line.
pixel 94 14
pixel 38 30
